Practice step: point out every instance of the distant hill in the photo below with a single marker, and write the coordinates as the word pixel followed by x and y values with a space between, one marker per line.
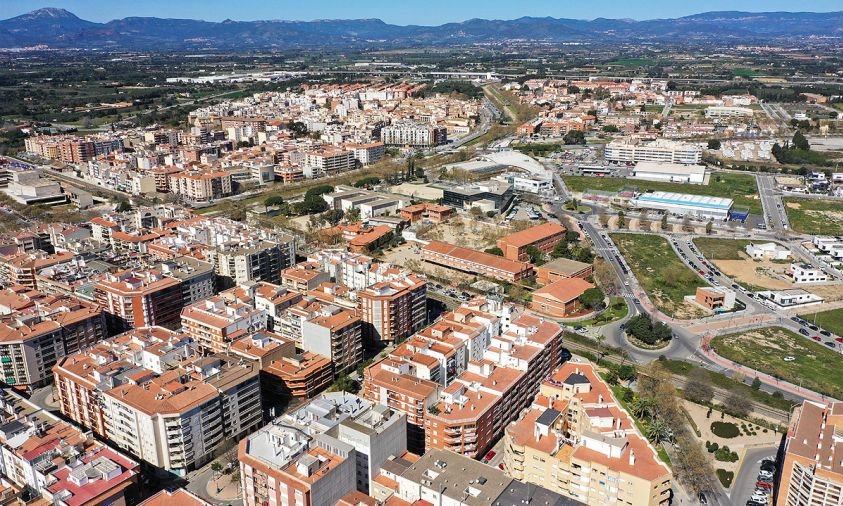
pixel 60 28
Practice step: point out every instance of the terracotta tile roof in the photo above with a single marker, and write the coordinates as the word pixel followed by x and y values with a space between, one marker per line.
pixel 533 234
pixel 477 257
pixel 564 290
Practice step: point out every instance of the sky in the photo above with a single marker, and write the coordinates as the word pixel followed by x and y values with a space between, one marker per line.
pixel 422 12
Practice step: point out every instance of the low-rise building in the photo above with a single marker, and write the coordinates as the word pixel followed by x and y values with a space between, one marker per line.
pixel 560 299
pixel 697 206
pixel 804 273
pixel 426 211
pixel 543 237
pixel 670 172
pixel 715 298
pixel 767 251
pixel 787 299
pixel 562 268
pixel 475 262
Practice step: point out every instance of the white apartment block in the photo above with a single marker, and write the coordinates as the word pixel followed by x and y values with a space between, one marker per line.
pixel 662 151
pixel 721 112
pixel 367 154
pixel 413 134
pixel 327 161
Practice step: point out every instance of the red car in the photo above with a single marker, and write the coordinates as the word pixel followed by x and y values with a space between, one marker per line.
pixel 765 485
pixel 816 338
pixel 501 467
pixel 489 456
pixel 839 339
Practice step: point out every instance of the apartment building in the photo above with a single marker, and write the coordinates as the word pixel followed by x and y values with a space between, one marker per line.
pixel 71 149
pixel 140 299
pixel 576 440
pixel 284 465
pixel 473 410
pixel 393 310
pixel 239 263
pixel 544 237
pixel 179 496
pixel 37 330
pixel 165 404
pixel 304 374
pixel 415 135
pixel 475 262
pixel 810 473
pixel 201 186
pixel 215 322
pixel 22 268
pixel 272 299
pixel 198 280
pixel 632 150
pixel 303 276
pixel 367 154
pixel 327 161
pixel 57 463
pixel 336 334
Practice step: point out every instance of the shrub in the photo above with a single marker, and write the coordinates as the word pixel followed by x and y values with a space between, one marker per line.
pixel 725 477
pixel 726 430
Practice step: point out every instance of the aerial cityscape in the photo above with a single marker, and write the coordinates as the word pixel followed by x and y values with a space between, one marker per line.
pixel 445 255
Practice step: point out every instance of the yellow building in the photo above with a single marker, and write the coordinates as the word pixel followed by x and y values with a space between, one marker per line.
pixel 577 441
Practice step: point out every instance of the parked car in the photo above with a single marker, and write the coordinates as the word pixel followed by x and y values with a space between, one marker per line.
pixel 764 484
pixel 489 456
pixel 804 332
pixel 830 344
pixel 817 338
pixel 702 498
pixel 825 333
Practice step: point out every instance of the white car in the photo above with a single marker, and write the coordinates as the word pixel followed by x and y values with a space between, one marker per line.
pixel 762 498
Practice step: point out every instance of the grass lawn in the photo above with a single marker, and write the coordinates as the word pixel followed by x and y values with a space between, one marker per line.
pixel 721 249
pixel 816 367
pixel 726 383
pixel 813 216
pixel 659 271
pixel 829 320
pixel 617 309
pixel 739 187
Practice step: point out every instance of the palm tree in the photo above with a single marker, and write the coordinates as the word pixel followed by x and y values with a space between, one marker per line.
pixel 658 431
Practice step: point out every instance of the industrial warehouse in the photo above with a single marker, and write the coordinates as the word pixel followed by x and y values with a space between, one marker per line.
pixel 681 204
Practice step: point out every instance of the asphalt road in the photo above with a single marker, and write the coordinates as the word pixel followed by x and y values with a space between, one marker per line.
pixel 744 482
pixel 775 215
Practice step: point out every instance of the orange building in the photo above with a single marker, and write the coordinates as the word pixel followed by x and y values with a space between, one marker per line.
pixel 393 310
pixel 475 262
pixel 562 268
pixel 302 375
pixel 426 212
pixel 544 237
pixel 134 299
pixel 811 471
pixel 303 276
pixel 560 299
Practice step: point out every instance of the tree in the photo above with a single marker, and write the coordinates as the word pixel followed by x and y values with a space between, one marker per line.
pixel 664 222
pixel 592 298
pixel 344 384
pixel 756 383
pixel 476 211
pixel 333 216
pixel 536 255
pixel 574 137
pixel 800 142
pixel 273 201
pixel 714 144
pixel 367 182
pixel 560 250
pixel 216 466
pixel 297 129
pixel 611 129
pixel 698 387
pixel 709 226
pixel 353 215
pixel 621 219
pixel 606 277
pixel 658 430
pixel 491 214
pixel 736 405
pixel 123 206
pixel 495 251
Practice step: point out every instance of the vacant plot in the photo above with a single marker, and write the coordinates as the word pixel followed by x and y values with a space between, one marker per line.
pixel 722 249
pixel 812 216
pixel 812 365
pixel 739 187
pixel 829 320
pixel 660 272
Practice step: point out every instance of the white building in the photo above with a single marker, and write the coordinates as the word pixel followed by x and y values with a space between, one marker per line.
pixel 413 134
pixel 719 112
pixel 831 246
pixel 698 206
pixel 791 298
pixel 670 172
pixel 526 183
pixel 630 150
pixel 804 273
pixel 767 251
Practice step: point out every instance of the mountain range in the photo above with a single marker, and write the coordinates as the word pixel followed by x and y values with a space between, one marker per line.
pixel 59 28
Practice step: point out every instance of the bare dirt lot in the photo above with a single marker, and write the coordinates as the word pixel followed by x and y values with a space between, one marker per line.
pixel 761 274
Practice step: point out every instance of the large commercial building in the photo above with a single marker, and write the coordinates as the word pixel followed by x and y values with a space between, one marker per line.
pixel 811 471
pixel 414 134
pixel 632 150
pixel 680 204
pixel 544 237
pixel 670 172
pixel 492 195
pixel 37 330
pixel 395 309
pixel 475 262
pixel 165 404
pixel 576 440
